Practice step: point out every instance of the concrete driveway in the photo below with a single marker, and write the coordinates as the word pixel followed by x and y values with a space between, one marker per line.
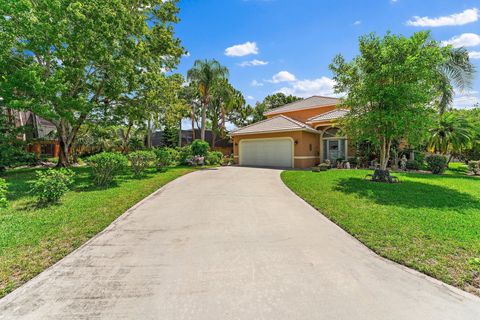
pixel 232 243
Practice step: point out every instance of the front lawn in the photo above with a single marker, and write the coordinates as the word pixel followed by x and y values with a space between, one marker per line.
pixel 429 223
pixel 32 239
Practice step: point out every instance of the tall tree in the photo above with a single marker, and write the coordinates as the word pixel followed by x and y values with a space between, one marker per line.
pixel 451 134
pixel 76 57
pixel 271 102
pixel 389 88
pixel 205 74
pixel 455 72
pixel 225 99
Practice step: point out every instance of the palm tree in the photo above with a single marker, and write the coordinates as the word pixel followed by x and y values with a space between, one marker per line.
pixel 204 74
pixel 456 72
pixel 451 134
pixel 224 99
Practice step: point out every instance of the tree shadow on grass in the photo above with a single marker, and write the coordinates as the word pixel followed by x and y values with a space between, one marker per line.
pixel 408 194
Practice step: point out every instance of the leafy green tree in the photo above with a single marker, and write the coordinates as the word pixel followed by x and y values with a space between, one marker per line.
pixel 73 58
pixel 451 134
pixel 271 102
pixel 225 99
pixel 205 74
pixel 389 88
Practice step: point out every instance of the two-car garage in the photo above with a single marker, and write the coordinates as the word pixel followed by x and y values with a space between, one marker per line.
pixel 273 152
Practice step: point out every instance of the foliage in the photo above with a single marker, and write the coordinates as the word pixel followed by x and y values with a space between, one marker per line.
pixel 34 238
pixel 184 154
pixel 12 149
pixel 204 75
pixel 413 165
pixel 436 163
pixel 3 193
pixel 106 166
pixel 214 158
pixel 474 167
pixel 456 71
pixel 392 102
pixel 451 134
pixel 140 161
pixel 69 60
pixel 165 157
pixel 271 102
pixel 421 222
pixel 50 185
pixel 200 148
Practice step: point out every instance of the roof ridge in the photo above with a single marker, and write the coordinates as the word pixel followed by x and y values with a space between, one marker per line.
pixel 258 122
pixel 285 106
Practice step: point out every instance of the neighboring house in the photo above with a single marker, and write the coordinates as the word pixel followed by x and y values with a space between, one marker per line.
pixel 224 145
pixel 297 135
pixel 40 133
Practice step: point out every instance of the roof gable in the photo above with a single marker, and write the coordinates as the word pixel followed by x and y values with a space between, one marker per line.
pixel 276 124
pixel 331 115
pixel 308 103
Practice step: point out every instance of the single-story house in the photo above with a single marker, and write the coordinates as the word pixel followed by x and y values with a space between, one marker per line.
pixel 300 134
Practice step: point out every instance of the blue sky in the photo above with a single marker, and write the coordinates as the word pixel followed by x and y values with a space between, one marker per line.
pixel 286 45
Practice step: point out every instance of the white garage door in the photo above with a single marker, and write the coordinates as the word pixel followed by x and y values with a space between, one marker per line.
pixel 266 153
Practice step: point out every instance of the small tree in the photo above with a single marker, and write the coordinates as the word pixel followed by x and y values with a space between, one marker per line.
pixel 140 161
pixel 200 148
pixel 389 88
pixel 106 166
pixel 52 184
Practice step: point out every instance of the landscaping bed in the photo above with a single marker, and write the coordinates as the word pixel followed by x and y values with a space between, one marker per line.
pixel 430 223
pixel 33 238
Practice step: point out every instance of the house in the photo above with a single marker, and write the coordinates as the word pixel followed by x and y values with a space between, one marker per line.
pixel 297 135
pixel 39 133
pixel 223 145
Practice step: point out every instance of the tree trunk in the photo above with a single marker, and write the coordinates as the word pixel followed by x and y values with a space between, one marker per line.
pixel 180 133
pixel 193 122
pixel 214 138
pixel 204 121
pixel 384 153
pixel 63 155
pixel 126 138
pixel 149 134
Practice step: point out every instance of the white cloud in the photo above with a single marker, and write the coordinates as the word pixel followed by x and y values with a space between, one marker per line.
pixel 255 83
pixel 456 19
pixel 250 98
pixel 466 100
pixel 283 76
pixel 464 40
pixel 241 50
pixel 474 54
pixel 358 22
pixel 253 63
pixel 306 88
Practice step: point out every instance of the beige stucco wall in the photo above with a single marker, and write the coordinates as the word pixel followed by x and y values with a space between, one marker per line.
pixel 304 156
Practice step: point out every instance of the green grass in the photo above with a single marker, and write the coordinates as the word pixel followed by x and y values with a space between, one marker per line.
pixel 32 239
pixel 427 222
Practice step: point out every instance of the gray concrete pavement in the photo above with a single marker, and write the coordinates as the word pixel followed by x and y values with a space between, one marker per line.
pixel 232 243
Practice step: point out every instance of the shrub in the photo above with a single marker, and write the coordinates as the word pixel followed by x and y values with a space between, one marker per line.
pixel 105 166
pixel 184 155
pixel 413 165
pixel 140 161
pixel 52 184
pixel 436 163
pixel 474 167
pixel 200 148
pixel 165 157
pixel 11 157
pixel 3 193
pixel 214 158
